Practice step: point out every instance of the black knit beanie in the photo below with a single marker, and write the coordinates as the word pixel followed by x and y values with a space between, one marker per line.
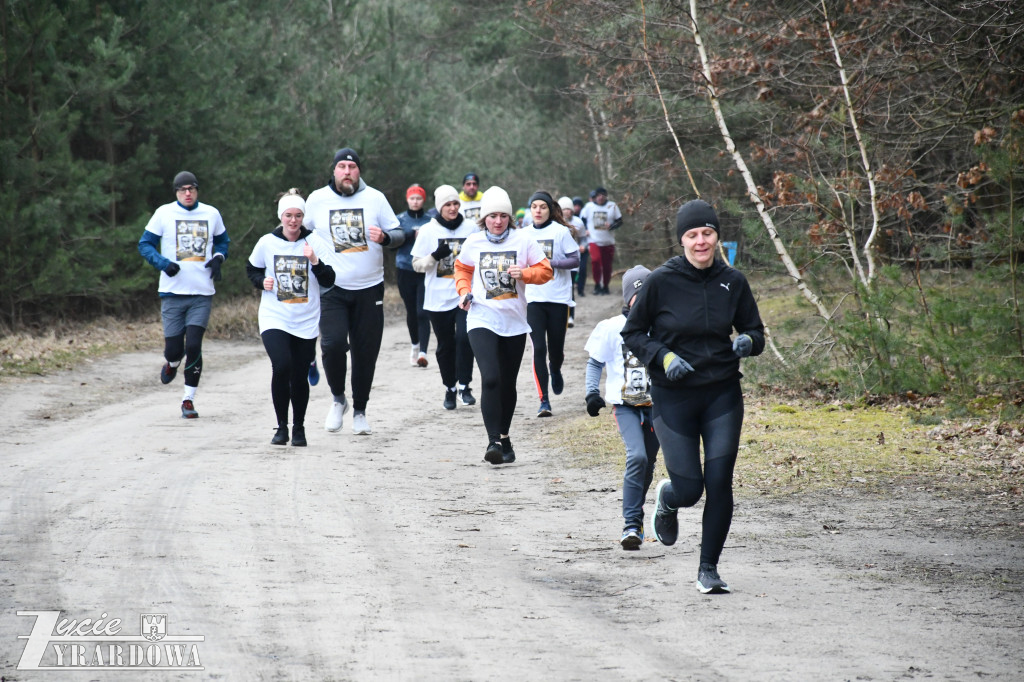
pixel 346 154
pixel 185 178
pixel 696 213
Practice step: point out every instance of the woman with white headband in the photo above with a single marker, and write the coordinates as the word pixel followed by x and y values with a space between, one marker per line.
pixel 285 267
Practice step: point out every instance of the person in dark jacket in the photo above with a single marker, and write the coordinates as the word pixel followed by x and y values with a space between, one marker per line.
pixel 410 282
pixel 680 327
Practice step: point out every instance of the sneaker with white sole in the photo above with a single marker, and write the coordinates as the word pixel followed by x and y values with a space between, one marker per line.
pixel 632 538
pixel 188 410
pixel 414 356
pixel 467 396
pixel 336 416
pixel 708 580
pixel 666 519
pixel 360 426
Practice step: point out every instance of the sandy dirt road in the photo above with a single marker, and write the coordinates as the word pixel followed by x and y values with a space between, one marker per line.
pixel 402 555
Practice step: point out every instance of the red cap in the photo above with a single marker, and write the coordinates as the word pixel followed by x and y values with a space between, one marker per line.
pixel 416 189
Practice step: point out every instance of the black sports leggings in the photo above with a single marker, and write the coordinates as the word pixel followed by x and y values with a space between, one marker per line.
pixel 548 322
pixel 189 345
pixel 498 358
pixel 351 319
pixel 417 320
pixel 454 354
pixel 683 418
pixel 289 357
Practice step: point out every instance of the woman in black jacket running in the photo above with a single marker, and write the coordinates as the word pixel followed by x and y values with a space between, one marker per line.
pixel 680 327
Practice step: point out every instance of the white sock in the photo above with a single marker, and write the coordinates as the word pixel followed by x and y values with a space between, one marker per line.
pixel 174 364
pixel 190 393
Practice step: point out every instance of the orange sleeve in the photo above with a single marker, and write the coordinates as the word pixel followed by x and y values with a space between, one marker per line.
pixel 538 273
pixel 463 278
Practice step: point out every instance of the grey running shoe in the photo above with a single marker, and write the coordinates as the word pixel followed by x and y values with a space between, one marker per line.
pixel 167 373
pixel 632 538
pixel 188 410
pixel 708 580
pixel 666 519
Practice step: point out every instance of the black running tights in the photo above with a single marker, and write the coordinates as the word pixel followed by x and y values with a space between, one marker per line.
pixel 190 346
pixel 498 358
pixel 548 322
pixel 289 358
pixel 683 418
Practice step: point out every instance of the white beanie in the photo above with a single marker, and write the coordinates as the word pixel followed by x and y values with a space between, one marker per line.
pixel 495 200
pixel 290 201
pixel 444 194
pixel 565 203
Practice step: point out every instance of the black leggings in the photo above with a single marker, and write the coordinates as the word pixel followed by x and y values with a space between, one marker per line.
pixel 548 322
pixel 454 354
pixel 189 345
pixel 289 357
pixel 351 319
pixel 410 288
pixel 683 417
pixel 498 358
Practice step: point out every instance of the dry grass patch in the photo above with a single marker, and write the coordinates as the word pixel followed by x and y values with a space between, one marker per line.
pixel 798 447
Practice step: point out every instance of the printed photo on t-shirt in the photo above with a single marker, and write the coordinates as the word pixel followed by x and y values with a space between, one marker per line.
pixel 292 275
pixel 599 220
pixel 636 387
pixel 471 213
pixel 493 267
pixel 191 237
pixel 548 245
pixel 348 231
pixel 446 266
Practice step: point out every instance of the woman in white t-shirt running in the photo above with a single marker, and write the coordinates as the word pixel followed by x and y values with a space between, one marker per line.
pixel 284 265
pixel 491 274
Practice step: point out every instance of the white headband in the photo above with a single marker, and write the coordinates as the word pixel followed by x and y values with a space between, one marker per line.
pixel 290 201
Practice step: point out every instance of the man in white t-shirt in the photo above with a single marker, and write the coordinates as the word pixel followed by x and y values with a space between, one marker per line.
pixel 187 242
pixel 602 218
pixel 358 222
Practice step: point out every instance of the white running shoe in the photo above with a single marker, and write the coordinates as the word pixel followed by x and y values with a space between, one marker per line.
pixel 414 356
pixel 336 416
pixel 360 426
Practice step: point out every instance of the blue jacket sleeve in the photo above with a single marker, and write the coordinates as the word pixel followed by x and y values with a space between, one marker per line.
pixel 149 248
pixel 220 244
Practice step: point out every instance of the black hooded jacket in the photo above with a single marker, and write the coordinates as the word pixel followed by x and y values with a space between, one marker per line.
pixel 692 313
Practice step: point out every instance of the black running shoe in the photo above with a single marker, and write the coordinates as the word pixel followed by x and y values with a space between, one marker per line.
pixel 280 436
pixel 449 398
pixel 299 436
pixel 167 373
pixel 666 519
pixel 467 396
pixel 508 455
pixel 708 580
pixel 557 383
pixel 493 454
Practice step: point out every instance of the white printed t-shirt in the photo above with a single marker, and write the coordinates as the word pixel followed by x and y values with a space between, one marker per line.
pixel 557 242
pixel 499 301
pixel 294 304
pixel 342 222
pixel 627 382
pixel 186 237
pixel 439 292
pixel 598 220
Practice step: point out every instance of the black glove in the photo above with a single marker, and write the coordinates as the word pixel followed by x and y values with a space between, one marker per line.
pixel 594 404
pixel 214 265
pixel 172 269
pixel 442 251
